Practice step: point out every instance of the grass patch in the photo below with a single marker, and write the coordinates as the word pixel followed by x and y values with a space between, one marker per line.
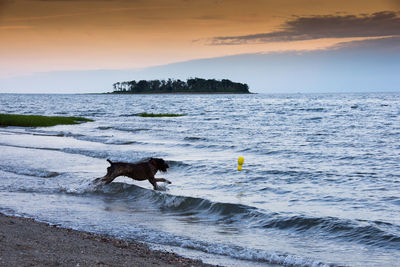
pixel 157 115
pixel 37 120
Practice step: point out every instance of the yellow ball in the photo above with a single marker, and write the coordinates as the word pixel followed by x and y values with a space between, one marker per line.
pixel 240 162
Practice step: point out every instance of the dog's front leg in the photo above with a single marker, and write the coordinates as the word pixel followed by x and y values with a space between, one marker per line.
pixel 154 183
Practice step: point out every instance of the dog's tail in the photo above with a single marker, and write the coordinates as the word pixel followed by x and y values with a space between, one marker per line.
pixel 110 161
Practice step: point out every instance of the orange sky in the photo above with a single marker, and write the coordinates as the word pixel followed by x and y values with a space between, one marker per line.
pixel 50 35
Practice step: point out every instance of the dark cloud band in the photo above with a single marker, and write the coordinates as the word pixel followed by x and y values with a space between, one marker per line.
pixel 378 24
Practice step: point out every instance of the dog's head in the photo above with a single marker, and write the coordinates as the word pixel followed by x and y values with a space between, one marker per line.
pixel 160 164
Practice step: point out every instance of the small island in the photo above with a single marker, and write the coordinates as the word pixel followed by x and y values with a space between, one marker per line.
pixel 171 86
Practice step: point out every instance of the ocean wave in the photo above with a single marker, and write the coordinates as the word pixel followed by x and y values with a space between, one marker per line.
pixel 54 133
pixel 104 139
pixel 120 142
pixel 104 127
pixel 107 140
pixel 194 138
pixel 129 115
pixel 291 174
pixel 126 156
pixel 130 129
pixel 233 251
pixel 313 119
pixel 215 146
pixel 312 109
pixel 178 164
pixel 185 206
pixel 29 172
pixel 30 147
pixel 367 232
pixel 91 138
pixel 100 154
pixel 79 151
pixel 379 234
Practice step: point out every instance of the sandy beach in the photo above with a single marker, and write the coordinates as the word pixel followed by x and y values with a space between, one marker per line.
pixel 25 242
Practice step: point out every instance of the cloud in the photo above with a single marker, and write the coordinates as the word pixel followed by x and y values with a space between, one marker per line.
pixel 387 45
pixel 386 23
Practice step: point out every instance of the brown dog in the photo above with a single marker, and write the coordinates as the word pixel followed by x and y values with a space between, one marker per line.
pixel 138 171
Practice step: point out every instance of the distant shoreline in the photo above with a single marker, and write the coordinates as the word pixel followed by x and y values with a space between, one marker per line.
pixel 171 86
pixel 173 93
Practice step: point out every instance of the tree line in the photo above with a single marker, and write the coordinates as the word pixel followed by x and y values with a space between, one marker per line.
pixel 193 85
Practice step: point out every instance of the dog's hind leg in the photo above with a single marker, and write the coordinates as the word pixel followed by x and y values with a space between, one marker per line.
pixel 112 173
pixel 162 180
pixel 104 180
pixel 108 179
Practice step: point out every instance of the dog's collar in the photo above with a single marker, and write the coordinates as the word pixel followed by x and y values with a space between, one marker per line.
pixel 154 163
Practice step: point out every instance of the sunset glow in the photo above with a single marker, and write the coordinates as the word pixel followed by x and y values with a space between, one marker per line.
pixel 68 35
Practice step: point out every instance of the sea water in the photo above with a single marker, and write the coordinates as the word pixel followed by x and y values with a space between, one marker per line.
pixel 320 183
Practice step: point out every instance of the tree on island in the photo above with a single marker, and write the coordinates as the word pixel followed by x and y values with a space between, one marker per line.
pixel 193 85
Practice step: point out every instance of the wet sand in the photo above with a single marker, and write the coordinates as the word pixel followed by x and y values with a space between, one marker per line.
pixel 25 242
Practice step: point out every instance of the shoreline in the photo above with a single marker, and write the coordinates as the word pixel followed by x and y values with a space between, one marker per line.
pixel 26 242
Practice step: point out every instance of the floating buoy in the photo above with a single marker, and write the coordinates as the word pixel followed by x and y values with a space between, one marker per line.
pixel 240 162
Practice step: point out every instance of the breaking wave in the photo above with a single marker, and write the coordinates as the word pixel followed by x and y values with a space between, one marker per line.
pixel 374 233
pixel 29 172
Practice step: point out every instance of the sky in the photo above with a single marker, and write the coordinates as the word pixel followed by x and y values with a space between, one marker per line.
pixel 47 41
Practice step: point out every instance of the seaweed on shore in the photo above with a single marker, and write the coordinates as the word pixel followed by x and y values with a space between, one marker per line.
pixel 38 120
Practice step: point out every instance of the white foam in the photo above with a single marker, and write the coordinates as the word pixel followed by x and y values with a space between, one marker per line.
pixel 232 251
pixel 173 201
pixel 81 187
